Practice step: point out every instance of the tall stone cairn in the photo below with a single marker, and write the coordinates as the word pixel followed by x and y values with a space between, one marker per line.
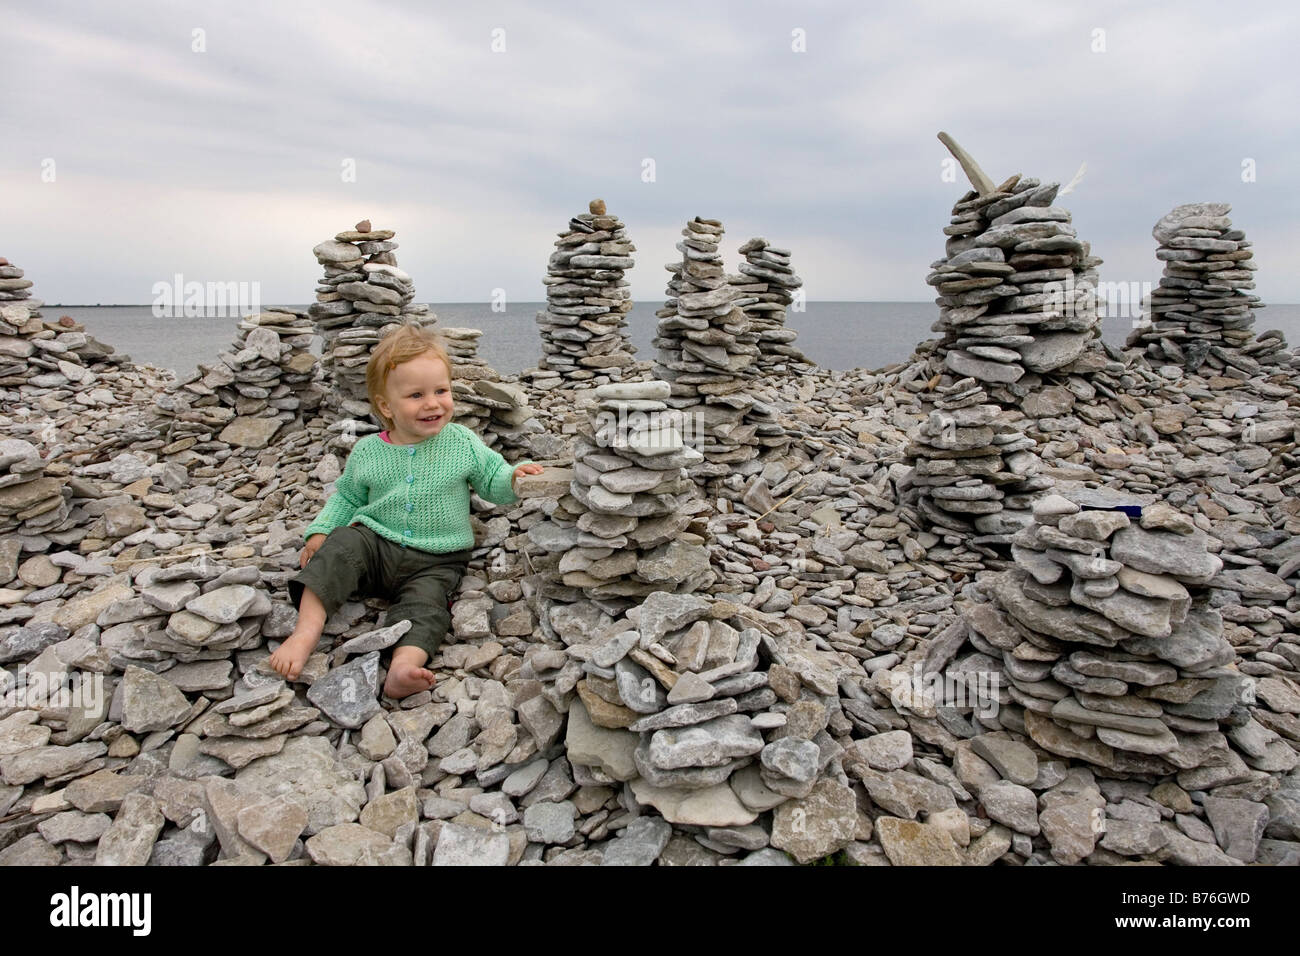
pixel 621 531
pixel 1201 307
pixel 764 290
pixel 587 298
pixel 707 352
pixel 1017 288
pixel 362 291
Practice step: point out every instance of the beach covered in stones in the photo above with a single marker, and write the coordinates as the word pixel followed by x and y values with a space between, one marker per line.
pixel 659 657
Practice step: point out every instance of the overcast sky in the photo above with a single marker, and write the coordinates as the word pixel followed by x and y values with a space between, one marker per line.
pixel 226 163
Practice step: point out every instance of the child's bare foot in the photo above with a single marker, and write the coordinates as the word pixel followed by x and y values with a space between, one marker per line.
pixel 289 658
pixel 407 674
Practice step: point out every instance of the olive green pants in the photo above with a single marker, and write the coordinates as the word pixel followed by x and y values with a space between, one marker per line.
pixel 354 559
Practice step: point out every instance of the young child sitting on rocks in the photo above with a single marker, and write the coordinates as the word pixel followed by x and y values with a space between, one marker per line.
pixel 398 523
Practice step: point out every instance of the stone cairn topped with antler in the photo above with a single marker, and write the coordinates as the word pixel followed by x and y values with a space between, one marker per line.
pixel 1017 287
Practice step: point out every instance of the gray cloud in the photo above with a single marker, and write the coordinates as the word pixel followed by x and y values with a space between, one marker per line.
pixel 225 165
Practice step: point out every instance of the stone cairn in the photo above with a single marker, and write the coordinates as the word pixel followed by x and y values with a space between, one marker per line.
pixel 499 412
pixel 31 502
pixel 268 377
pixel 40 355
pixel 1201 312
pixel 361 291
pixel 621 532
pixel 13 287
pixel 587 299
pixel 1111 650
pixel 975 471
pixel 764 290
pixel 707 353
pixel 1017 288
pixel 717 716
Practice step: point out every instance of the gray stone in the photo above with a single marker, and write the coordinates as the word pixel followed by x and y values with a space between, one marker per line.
pixel 309 769
pixel 792 757
pixel 550 822
pixel 639 844
pixel 891 750
pixel 75 826
pixel 150 702
pixel 347 844
pixel 130 838
pixel 822 823
pixel 348 695
pixel 1183 556
pixel 609 750
pixel 709 744
pixel 1015 761
pixel 1011 804
pixel 460 845
pixel 1238 825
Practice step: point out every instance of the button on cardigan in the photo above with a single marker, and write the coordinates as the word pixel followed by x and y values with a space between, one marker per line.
pixel 417 495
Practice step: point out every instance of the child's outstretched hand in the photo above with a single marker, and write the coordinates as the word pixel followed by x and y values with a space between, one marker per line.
pixel 528 469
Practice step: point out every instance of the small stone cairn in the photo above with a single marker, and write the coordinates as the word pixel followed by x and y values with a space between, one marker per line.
pixel 621 532
pixel 718 717
pixel 974 468
pixel 587 298
pixel 498 411
pixel 1111 650
pixel 268 377
pixel 31 502
pixel 764 290
pixel 13 286
pixel 707 353
pixel 1017 288
pixel 1200 313
pixel 36 361
pixel 361 291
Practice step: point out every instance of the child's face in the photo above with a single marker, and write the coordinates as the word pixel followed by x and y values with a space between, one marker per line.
pixel 417 398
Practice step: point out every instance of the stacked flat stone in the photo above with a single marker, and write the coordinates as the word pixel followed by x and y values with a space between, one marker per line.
pixel 764 290
pixel 620 533
pixel 1201 307
pixel 467 371
pixel 270 371
pixel 31 502
pixel 975 470
pixel 13 287
pixel 1017 289
pixel 734 748
pixel 1110 648
pixel 59 358
pixel 362 291
pixel 587 299
pixel 498 411
pixel 707 352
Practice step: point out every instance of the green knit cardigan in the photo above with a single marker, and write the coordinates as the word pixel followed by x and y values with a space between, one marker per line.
pixel 417 495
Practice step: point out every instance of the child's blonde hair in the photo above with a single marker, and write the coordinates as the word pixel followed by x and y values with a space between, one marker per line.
pixel 407 341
